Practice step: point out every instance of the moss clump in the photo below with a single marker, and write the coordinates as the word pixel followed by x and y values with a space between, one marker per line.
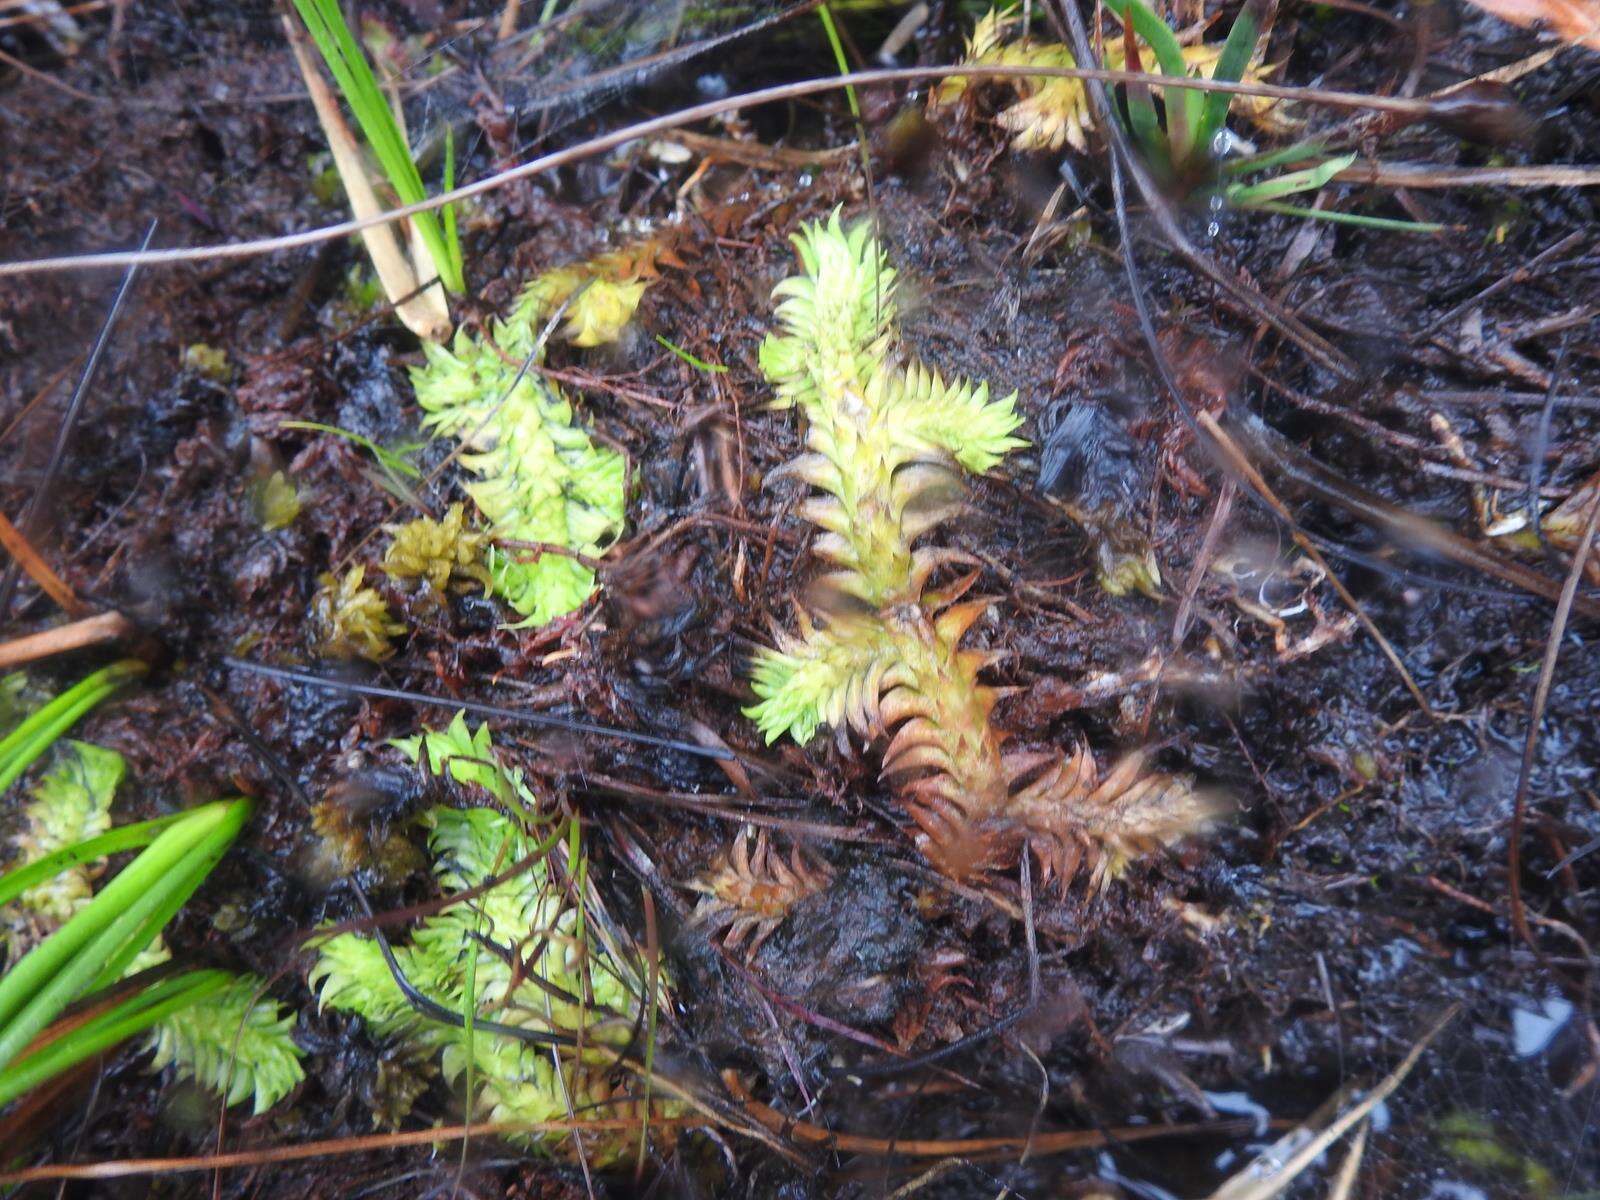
pixel 276 501
pixel 601 311
pixel 71 803
pixel 437 551
pixel 209 362
pixel 351 620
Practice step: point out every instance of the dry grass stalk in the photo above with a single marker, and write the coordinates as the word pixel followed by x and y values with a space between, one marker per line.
pixel 425 313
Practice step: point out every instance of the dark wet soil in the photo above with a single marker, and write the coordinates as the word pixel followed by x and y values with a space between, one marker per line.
pixel 1361 889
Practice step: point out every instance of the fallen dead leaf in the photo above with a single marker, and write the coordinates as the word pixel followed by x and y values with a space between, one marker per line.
pixel 1575 21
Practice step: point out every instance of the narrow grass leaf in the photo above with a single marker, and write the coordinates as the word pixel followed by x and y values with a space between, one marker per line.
pixel 1275 158
pixel 1231 65
pixel 697 363
pixel 1142 120
pixel 176 890
pixel 33 736
pixel 1182 104
pixel 127 837
pixel 1391 224
pixel 1253 195
pixel 60 969
pixel 110 1028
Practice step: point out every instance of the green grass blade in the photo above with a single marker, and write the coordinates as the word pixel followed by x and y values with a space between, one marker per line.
pixel 1142 120
pixel 452 232
pixel 1275 158
pixel 843 63
pixel 59 969
pixel 184 880
pixel 839 58
pixel 127 837
pixel 100 1033
pixel 1390 224
pixel 351 71
pixel 33 736
pixel 1231 66
pixel 389 460
pixel 1253 195
pixel 1183 104
pixel 697 363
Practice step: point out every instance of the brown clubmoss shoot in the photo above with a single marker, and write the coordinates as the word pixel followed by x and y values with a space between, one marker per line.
pixel 751 888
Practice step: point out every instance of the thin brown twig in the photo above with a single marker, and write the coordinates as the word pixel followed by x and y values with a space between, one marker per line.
pixel 41 572
pixel 1052 1142
pixel 46 78
pixel 38 398
pixel 1244 467
pixel 1530 745
pixel 91 631
pixel 121 1168
pixel 688 116
pixel 1208 549
pixel 1519 273
pixel 1410 529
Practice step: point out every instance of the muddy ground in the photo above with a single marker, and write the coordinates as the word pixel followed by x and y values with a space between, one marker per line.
pixel 1360 887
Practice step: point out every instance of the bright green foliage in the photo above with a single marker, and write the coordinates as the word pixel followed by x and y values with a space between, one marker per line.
pixel 834 315
pixel 826 676
pixel 71 804
pixel 956 417
pixel 886 443
pixel 469 758
pixel 540 478
pixel 531 919
pixel 232 1043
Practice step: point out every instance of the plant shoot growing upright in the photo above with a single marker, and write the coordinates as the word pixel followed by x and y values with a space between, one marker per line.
pixel 887 440
pixel 436 248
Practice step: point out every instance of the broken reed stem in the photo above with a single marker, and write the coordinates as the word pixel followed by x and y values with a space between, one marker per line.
pixel 38 570
pixel 424 312
pixel 91 631
pixel 1245 468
